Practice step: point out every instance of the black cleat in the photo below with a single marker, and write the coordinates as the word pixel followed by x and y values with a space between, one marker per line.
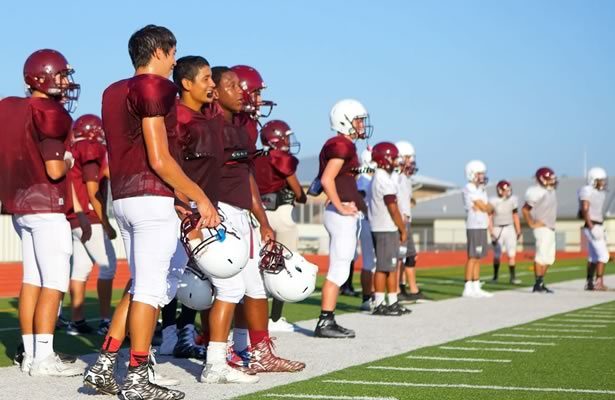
pixel 76 328
pixel 411 297
pixel 328 328
pixel 138 387
pixel 541 288
pixel 100 376
pixel 186 346
pixel 399 308
pixel 383 309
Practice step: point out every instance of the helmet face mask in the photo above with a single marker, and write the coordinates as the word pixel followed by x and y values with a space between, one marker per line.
pixel 386 156
pixel 407 165
pixel 252 84
pixel 476 173
pixel 597 178
pixel 348 117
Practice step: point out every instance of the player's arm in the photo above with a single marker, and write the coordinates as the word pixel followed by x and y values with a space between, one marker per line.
pixel 517 223
pixel 327 181
pixel 259 213
pixel 585 214
pixel 531 222
pixel 490 226
pixel 84 222
pixel 393 208
pixel 295 186
pixel 165 166
pixel 482 206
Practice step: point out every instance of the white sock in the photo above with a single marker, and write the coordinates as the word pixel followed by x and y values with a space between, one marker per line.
pixel 378 299
pixel 28 344
pixel 216 353
pixel 392 298
pixel 43 345
pixel 469 286
pixel 241 339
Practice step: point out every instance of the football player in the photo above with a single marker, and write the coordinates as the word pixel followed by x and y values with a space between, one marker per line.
pixel 504 228
pixel 338 168
pixel 540 213
pixel 139 118
pixel 407 168
pixel 388 229
pixel 591 203
pixel 89 177
pixel 364 185
pixel 279 188
pixel 34 191
pixel 477 208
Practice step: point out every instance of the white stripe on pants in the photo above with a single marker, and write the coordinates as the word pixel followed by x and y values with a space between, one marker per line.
pixel 342 231
pixel 97 250
pixel 149 227
pixel 46 247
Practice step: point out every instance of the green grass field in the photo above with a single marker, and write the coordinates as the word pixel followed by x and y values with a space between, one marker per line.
pixel 437 283
pixel 575 362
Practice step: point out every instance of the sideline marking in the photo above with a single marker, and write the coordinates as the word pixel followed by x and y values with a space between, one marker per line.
pixel 588 321
pixel 568 325
pixel 459 359
pixel 554 330
pixel 324 397
pixel 505 342
pixel 466 386
pixel 519 335
pixel 412 369
pixel 502 349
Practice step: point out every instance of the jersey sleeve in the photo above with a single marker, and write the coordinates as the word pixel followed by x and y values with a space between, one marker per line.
pixel 151 95
pixel 515 202
pixel 533 195
pixel 284 163
pixel 339 149
pixel 52 123
pixel 585 193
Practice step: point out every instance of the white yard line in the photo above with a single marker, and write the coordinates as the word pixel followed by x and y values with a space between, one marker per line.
pixel 463 359
pixel 324 397
pixel 571 319
pixel 466 386
pixel 519 335
pixel 568 325
pixel 500 349
pixel 553 330
pixel 589 317
pixel 512 343
pixel 412 369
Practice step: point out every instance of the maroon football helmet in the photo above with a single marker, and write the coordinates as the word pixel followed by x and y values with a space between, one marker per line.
pixel 273 257
pixel 88 127
pixel 546 177
pixel 48 71
pixel 503 188
pixel 277 135
pixel 252 83
pixel 385 155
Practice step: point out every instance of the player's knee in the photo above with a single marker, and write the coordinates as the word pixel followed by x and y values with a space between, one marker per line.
pixel 338 273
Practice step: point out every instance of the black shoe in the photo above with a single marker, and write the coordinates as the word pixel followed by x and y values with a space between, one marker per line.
pixel 100 376
pixel 589 285
pixel 67 358
pixel 348 291
pixel 137 386
pixel 545 289
pixel 541 288
pixel 76 328
pixel 383 309
pixel 399 308
pixel 411 297
pixel 328 328
pixel 62 323
pixel 186 346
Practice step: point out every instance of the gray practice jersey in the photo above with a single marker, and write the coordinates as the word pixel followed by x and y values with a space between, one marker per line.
pixel 543 203
pixel 503 209
pixel 595 198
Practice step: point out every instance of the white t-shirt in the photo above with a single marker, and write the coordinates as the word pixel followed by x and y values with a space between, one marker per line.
pixel 405 193
pixel 475 219
pixel 596 199
pixel 544 204
pixel 383 184
pixel 503 209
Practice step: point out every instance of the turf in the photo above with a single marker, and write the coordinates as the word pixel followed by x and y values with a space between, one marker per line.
pixel 571 363
pixel 436 283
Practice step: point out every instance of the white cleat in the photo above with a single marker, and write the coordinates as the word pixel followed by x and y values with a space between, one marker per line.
pixel 26 363
pixel 226 374
pixel 470 292
pixel 483 294
pixel 280 326
pixel 169 340
pixel 52 365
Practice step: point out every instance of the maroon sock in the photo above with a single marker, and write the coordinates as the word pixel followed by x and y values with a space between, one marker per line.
pixel 138 357
pixel 111 344
pixel 257 336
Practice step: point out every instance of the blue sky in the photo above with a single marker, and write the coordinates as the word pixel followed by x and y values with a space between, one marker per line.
pixel 518 84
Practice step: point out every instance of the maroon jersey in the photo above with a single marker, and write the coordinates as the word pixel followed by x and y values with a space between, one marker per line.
pixel 124 105
pixel 201 151
pixel 345 181
pixel 235 175
pixel 90 158
pixel 33 131
pixel 272 170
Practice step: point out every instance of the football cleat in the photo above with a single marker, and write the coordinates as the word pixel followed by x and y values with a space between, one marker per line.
pixel 52 365
pixel 137 386
pixel 263 359
pixel 186 346
pixel 225 374
pixel 328 328
pixel 101 376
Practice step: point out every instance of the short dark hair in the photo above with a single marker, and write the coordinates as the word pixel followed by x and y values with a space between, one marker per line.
pixel 217 72
pixel 144 42
pixel 187 68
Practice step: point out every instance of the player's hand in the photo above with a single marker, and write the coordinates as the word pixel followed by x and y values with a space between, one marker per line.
pixel 518 235
pixel 209 215
pixel 111 233
pixel 86 227
pixel 348 208
pixel 267 233
pixel 403 236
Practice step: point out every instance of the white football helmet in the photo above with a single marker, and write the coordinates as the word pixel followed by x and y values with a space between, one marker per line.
pixel 596 177
pixel 195 290
pixel 218 252
pixel 405 149
pixel 407 165
pixel 287 276
pixel 344 112
pixel 473 169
